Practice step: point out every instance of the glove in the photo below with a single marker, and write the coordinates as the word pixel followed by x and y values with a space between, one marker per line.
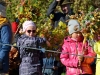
pixel 43 50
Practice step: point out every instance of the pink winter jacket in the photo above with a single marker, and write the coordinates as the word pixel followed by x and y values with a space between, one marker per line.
pixel 67 57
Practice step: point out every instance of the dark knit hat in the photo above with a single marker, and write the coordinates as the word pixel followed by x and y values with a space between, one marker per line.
pixel 2 8
pixel 63 2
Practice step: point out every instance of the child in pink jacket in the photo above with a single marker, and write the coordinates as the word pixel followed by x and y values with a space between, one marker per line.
pixel 74 52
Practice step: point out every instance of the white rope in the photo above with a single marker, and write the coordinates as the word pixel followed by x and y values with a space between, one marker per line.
pixel 50 51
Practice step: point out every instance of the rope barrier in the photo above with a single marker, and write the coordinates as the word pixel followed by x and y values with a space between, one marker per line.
pixel 51 51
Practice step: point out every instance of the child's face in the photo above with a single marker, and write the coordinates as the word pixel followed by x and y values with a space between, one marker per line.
pixel 78 36
pixel 30 31
pixel 48 55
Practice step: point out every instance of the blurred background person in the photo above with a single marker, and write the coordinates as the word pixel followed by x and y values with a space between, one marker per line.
pixel 57 15
pixel 5 38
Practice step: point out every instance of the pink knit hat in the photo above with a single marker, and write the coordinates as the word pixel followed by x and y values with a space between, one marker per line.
pixel 26 24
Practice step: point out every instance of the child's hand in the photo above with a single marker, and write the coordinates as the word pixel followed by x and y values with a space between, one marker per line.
pixel 80 59
pixel 43 50
pixel 48 43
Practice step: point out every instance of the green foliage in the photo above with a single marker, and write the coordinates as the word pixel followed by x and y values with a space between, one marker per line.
pixel 85 5
pixel 39 7
pixel 11 6
pixel 36 10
